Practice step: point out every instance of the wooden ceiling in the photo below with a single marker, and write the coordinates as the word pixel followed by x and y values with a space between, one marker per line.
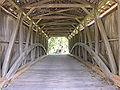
pixel 54 17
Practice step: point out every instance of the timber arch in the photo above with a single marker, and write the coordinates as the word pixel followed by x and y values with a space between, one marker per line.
pixel 92 28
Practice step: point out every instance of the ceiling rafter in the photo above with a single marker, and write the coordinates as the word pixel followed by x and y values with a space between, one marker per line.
pixel 61 21
pixel 53 12
pixel 36 3
pixel 54 23
pixel 84 2
pixel 87 12
pixel 68 31
pixel 62 6
pixel 58 28
pixel 52 17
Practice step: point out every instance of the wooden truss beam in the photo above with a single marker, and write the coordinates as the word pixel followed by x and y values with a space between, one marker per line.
pixel 65 34
pixel 59 21
pixel 69 23
pixel 84 2
pixel 51 12
pixel 59 30
pixel 53 17
pixel 62 6
pixel 87 12
pixel 107 45
pixel 2 1
pixel 36 3
pixel 57 35
pixel 59 12
pixel 58 27
pixel 9 49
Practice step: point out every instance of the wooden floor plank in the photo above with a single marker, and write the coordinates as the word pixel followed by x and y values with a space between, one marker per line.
pixel 59 72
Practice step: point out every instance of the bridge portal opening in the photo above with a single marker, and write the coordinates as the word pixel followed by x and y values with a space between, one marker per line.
pixel 58 45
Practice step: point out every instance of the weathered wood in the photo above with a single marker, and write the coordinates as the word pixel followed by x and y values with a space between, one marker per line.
pixel 85 41
pixel 119 34
pixel 30 11
pixel 2 1
pixel 97 59
pixel 25 67
pixel 89 40
pixel 89 37
pixel 62 23
pixel 21 36
pixel 18 62
pixel 96 38
pixel 55 12
pixel 94 68
pixel 31 42
pixel 36 4
pixel 96 33
pixel 87 12
pixel 79 52
pixel 61 6
pixel 116 79
pixel 9 49
pixel 107 45
pixel 53 17
pixel 63 69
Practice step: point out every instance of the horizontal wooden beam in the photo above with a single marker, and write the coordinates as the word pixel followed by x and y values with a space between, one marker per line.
pixel 61 6
pixel 62 28
pixel 57 35
pixel 65 34
pixel 59 31
pixel 69 23
pixel 53 17
pixel 60 21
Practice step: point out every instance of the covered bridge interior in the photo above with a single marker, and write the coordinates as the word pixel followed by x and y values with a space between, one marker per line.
pixel 92 28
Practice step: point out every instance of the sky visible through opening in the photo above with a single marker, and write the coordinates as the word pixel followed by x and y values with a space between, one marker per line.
pixel 58 45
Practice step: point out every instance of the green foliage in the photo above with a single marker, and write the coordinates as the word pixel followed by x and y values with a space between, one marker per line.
pixel 58 45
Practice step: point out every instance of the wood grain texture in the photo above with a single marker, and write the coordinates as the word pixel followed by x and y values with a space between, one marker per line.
pixel 59 72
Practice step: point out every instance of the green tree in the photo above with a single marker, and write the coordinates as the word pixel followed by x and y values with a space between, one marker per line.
pixel 58 45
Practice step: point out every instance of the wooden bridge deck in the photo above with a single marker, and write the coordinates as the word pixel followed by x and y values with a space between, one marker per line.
pixel 59 72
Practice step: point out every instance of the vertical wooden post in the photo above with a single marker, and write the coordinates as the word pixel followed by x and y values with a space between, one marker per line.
pixel 0 56
pixel 28 39
pixel 32 52
pixel 107 45
pixel 35 50
pixel 28 35
pixel 90 41
pixel 41 43
pixel 96 34
pixel 9 49
pixel 89 37
pixel 96 39
pixel 119 33
pixel 85 41
pixel 79 45
pixel 21 36
pixel 82 49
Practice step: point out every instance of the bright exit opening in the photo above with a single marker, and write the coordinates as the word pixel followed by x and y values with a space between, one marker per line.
pixel 58 45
